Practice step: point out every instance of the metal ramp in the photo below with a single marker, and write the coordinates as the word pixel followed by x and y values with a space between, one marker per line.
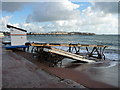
pixel 67 54
pixel 92 51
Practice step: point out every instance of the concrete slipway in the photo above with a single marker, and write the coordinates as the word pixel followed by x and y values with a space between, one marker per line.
pixel 17 72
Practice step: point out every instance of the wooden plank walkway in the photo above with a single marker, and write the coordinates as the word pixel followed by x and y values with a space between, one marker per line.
pixel 67 45
pixel 67 54
pixel 92 51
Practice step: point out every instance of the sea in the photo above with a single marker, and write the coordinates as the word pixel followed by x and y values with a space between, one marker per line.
pixel 112 41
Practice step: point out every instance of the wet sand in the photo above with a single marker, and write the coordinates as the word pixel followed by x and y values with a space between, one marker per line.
pixel 83 74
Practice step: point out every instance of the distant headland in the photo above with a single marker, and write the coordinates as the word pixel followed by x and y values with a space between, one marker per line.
pixel 61 33
pixel 55 33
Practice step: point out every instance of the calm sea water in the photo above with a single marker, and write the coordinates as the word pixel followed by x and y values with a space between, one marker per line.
pixel 112 41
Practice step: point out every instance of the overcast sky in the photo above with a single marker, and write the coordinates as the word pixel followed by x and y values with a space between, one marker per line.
pixel 93 17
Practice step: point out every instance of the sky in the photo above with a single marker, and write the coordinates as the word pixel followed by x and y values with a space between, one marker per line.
pixel 65 16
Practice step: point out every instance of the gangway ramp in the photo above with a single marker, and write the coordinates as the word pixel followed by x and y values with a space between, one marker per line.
pixel 67 54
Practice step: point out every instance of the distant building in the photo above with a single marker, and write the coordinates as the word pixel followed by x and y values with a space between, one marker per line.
pixel 18 35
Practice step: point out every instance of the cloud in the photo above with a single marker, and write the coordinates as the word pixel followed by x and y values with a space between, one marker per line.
pixel 12 6
pixel 99 22
pixel 107 7
pixel 102 0
pixel 30 27
pixel 65 16
pixel 90 21
pixel 52 11
pixel 3 22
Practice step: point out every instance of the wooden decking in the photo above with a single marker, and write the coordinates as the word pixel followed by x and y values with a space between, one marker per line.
pixel 66 45
pixel 67 54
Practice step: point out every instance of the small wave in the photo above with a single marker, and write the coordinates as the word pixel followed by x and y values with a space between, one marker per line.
pixel 112 56
pixel 111 64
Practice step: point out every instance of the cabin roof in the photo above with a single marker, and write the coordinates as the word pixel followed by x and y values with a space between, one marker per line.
pixel 9 26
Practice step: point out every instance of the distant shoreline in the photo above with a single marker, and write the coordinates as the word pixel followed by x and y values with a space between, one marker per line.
pixel 61 33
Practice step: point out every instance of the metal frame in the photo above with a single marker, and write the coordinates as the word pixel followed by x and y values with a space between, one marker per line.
pixel 97 51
